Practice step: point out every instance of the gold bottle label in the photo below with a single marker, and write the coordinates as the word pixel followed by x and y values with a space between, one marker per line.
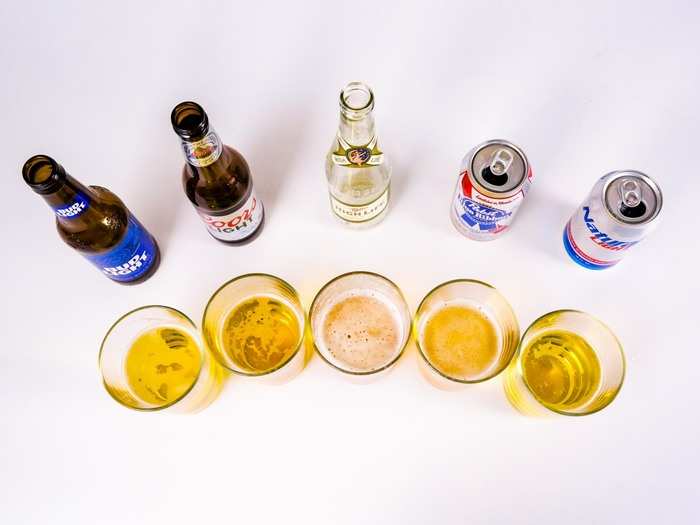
pixel 362 212
pixel 357 156
pixel 204 152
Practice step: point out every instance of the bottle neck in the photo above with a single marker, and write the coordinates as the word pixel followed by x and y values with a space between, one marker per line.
pixel 357 131
pixel 203 152
pixel 74 204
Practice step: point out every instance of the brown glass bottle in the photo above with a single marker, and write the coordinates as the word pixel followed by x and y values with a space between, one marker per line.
pixel 95 222
pixel 216 179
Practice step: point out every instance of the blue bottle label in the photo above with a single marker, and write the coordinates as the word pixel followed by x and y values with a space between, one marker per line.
pixel 131 258
pixel 75 208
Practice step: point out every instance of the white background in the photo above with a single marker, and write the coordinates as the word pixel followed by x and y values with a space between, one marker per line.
pixel 583 87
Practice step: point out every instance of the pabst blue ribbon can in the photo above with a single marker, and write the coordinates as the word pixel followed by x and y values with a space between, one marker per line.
pixel 621 210
pixel 493 181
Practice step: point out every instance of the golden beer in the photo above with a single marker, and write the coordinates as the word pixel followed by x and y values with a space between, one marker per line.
pixel 254 324
pixel 260 333
pixel 461 341
pixel 466 332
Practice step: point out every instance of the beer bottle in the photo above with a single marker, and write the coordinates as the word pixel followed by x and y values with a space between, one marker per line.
pixel 216 178
pixel 95 222
pixel 358 172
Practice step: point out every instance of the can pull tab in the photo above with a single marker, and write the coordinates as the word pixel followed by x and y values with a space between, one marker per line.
pixel 631 204
pixel 630 193
pixel 501 161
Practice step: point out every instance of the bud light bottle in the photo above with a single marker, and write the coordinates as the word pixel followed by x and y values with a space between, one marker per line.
pixel 93 221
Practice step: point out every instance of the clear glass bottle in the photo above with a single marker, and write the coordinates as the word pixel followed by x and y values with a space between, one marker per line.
pixel 358 172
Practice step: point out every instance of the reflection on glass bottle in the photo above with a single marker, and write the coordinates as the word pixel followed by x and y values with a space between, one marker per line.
pixel 358 172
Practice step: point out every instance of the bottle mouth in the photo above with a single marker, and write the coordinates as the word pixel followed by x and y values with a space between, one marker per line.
pixel 189 120
pixel 356 100
pixel 43 174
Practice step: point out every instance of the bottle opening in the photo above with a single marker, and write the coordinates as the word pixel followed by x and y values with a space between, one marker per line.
pixel 356 97
pixel 189 120
pixel 42 174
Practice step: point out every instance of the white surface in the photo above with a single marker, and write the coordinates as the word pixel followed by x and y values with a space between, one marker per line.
pixel 584 90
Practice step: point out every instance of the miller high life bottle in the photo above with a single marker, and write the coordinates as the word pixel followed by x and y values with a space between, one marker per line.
pixel 358 172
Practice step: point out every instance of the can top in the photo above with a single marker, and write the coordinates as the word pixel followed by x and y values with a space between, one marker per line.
pixel 499 166
pixel 632 197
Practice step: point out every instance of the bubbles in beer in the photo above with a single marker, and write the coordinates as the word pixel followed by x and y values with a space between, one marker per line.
pixel 362 332
pixel 260 334
pixel 460 341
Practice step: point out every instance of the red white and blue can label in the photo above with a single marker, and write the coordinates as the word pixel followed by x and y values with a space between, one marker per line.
pixel 482 215
pixel 592 238
pixel 599 233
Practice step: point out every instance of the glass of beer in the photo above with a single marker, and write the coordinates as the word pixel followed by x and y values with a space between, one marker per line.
pixel 360 323
pixel 152 359
pixel 568 363
pixel 466 332
pixel 254 324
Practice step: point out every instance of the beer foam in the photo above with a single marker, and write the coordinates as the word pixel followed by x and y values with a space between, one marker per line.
pixel 361 331
pixel 480 310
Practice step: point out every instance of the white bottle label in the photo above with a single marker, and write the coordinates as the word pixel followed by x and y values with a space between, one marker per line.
pixel 363 212
pixel 238 225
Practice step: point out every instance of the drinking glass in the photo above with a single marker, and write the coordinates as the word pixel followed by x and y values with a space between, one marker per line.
pixel 486 300
pixel 240 290
pixel 609 372
pixel 122 336
pixel 362 284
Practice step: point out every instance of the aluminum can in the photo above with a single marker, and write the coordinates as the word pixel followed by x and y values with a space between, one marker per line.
pixel 493 181
pixel 621 210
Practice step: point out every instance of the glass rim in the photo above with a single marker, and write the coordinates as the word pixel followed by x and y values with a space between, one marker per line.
pixel 516 358
pixel 401 351
pixel 200 347
pixel 420 348
pixel 302 329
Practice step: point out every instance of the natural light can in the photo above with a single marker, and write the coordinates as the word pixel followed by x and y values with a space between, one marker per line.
pixel 621 210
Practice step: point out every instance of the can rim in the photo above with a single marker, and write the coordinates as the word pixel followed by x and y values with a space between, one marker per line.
pixel 469 168
pixel 614 175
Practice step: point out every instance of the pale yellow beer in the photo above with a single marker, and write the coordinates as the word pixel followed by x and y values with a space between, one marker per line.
pixel 152 358
pixel 568 363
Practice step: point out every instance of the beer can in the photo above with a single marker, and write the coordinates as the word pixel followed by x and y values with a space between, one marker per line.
pixel 621 210
pixel 493 181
